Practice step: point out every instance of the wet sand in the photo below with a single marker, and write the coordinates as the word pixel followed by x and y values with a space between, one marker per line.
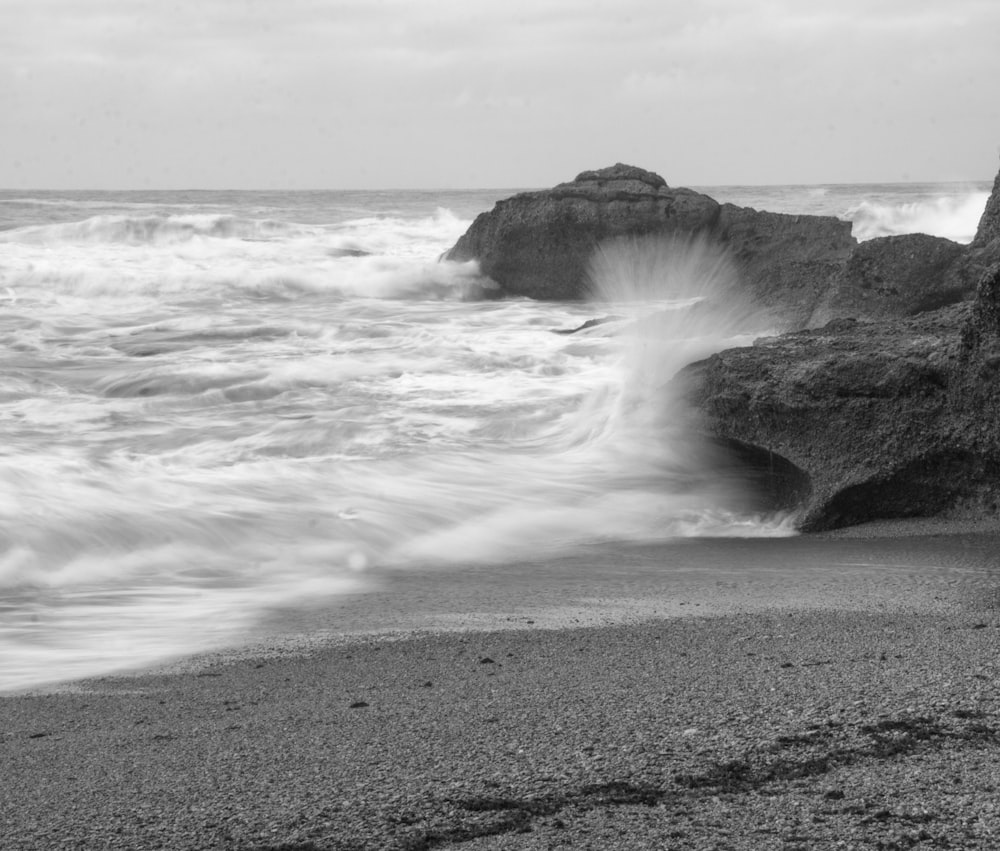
pixel 803 693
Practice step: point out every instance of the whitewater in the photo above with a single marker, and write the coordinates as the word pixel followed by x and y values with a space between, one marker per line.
pixel 216 403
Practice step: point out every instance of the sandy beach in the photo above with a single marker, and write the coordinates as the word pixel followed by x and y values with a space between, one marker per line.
pixel 803 693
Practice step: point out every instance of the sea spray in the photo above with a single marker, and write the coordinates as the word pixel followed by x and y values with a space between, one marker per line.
pixel 185 466
pixel 215 403
pixel 685 296
pixel 954 217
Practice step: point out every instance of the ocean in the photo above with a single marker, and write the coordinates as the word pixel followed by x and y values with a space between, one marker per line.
pixel 218 403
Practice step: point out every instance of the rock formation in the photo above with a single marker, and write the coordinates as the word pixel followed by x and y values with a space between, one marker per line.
pixel 895 276
pixel 786 263
pixel 804 270
pixel 538 244
pixel 858 421
pixel 988 232
pixel 892 409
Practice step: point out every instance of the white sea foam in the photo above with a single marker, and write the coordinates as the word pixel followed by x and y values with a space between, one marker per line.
pixel 955 217
pixel 153 229
pixel 200 424
pixel 178 469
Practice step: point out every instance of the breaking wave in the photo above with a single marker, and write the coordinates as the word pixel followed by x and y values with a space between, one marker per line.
pixel 954 217
pixel 156 230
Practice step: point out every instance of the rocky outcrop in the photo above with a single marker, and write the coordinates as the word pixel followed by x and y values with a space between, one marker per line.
pixel 988 231
pixel 538 244
pixel 803 270
pixel 785 263
pixel 895 276
pixel 866 420
pixel 858 421
pixel 847 422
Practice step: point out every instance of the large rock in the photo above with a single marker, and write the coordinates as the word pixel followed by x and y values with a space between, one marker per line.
pixel 895 276
pixel 988 231
pixel 858 421
pixel 786 262
pixel 803 270
pixel 538 244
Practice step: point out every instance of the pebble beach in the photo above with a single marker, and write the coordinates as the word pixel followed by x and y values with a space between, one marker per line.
pixel 832 693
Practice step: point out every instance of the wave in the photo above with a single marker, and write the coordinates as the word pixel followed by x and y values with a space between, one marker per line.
pixel 353 237
pixel 955 217
pixel 223 461
pixel 157 230
pixel 279 272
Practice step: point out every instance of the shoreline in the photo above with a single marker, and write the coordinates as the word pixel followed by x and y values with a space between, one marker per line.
pixel 777 703
pixel 766 730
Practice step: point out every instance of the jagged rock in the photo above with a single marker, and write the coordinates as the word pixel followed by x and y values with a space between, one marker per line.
pixel 989 224
pixel 981 333
pixel 785 262
pixel 857 421
pixel 895 276
pixel 803 270
pixel 538 244
pixel 590 323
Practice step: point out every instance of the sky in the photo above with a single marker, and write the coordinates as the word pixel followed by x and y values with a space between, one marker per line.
pixel 380 94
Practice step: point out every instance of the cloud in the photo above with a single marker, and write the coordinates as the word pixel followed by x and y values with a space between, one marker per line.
pixel 524 85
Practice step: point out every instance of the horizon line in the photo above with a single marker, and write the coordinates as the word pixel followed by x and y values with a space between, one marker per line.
pixel 8 189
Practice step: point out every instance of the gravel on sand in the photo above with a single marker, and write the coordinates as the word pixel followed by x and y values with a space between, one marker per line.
pixel 786 728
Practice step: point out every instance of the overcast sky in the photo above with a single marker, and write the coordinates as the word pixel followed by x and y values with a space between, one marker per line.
pixel 517 93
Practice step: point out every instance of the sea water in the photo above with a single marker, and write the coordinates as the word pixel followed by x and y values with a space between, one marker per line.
pixel 215 403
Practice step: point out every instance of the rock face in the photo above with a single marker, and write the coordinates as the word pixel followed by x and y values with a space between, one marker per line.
pixel 895 276
pixel 786 263
pixel 538 244
pixel 804 270
pixel 863 420
pixel 847 422
pixel 989 224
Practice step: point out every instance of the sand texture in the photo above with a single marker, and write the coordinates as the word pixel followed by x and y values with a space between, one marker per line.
pixel 794 727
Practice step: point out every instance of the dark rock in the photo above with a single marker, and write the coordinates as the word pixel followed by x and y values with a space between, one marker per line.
pixel 590 323
pixel 984 250
pixel 989 224
pixel 982 330
pixel 877 420
pixel 538 244
pixel 895 276
pixel 785 262
pixel 858 421
pixel 803 270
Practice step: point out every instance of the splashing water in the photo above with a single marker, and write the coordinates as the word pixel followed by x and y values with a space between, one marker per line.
pixel 186 448
pixel 209 411
pixel 953 217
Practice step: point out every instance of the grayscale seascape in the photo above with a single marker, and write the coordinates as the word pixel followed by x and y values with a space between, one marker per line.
pixel 499 426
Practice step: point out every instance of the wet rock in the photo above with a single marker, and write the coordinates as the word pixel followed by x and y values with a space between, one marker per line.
pixel 538 244
pixel 896 276
pixel 878 420
pixel 786 263
pixel 870 420
pixel 804 270
pixel 590 323
pixel 988 231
